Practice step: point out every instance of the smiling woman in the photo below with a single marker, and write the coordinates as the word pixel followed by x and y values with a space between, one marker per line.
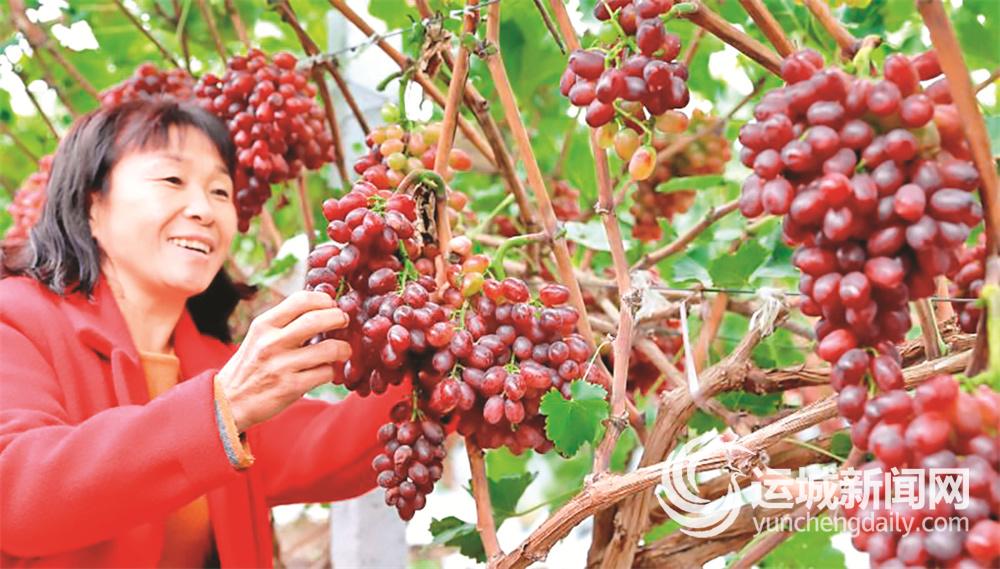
pixel 127 420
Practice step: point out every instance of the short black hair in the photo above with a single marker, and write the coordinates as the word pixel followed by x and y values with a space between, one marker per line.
pixel 61 251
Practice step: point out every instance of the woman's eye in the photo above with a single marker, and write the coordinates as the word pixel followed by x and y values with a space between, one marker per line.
pixel 174 180
pixel 221 192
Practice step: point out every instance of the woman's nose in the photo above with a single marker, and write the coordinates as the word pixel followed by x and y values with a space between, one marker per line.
pixel 198 206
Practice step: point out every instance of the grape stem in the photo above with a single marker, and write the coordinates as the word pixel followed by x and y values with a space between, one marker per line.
pixel 957 73
pixel 480 109
pixel 523 141
pixel 485 222
pixel 307 213
pixel 146 33
pixel 405 63
pixel 39 41
pixel 623 339
pixel 821 11
pixel 769 26
pixel 206 13
pixel 496 266
pixel 714 214
pixel 550 26
pixel 484 508
pixel 36 104
pixel 703 17
pixel 456 87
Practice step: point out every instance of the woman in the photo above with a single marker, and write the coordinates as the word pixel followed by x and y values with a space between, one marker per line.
pixel 131 433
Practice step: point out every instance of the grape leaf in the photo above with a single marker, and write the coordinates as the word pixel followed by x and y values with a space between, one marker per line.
pixel 570 423
pixel 840 444
pixel 505 492
pixel 735 270
pixel 810 547
pixel 456 533
pixel 501 462
pixel 591 235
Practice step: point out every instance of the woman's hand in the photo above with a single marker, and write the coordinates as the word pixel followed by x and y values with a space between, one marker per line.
pixel 272 368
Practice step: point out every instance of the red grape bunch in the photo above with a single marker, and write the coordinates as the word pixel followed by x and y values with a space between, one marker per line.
pixel 631 75
pixel 511 350
pixel 276 125
pixel 26 207
pixel 149 81
pixel 706 154
pixel 868 177
pixel 411 459
pixel 939 427
pixel 967 282
pixel 364 269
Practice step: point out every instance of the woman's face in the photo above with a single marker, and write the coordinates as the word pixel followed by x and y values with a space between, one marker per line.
pixel 168 218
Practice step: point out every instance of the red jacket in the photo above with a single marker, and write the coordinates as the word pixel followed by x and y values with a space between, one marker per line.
pixel 90 467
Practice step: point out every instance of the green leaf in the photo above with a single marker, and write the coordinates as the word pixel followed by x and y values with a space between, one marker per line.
pixel 734 270
pixel 691 183
pixel 840 444
pixel 570 423
pixel 279 267
pixel 501 462
pixel 505 493
pixel 993 127
pixel 760 405
pixel 591 235
pixel 623 450
pixel 778 350
pixel 811 547
pixel 456 533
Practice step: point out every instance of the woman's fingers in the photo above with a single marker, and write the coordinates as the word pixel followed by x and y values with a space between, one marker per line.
pixel 309 379
pixel 297 304
pixel 317 354
pixel 311 323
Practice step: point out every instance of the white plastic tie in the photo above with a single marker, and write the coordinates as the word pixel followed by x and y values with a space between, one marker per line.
pixel 694 385
pixel 763 319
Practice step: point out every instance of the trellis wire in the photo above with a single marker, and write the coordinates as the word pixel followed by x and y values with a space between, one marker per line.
pixel 732 291
pixel 332 56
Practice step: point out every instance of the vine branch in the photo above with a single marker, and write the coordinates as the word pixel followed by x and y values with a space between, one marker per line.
pixel 406 64
pixel 206 12
pixel 18 142
pixel 38 40
pixel 768 26
pixel 484 508
pixel 35 103
pixel 142 29
pixel 821 11
pixel 241 30
pixel 623 338
pixel 677 245
pixel 523 141
pixel 716 25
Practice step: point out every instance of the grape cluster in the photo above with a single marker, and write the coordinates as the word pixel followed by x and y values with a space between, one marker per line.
pixel 411 460
pixel 511 350
pixel 707 154
pixel 938 427
pixel 393 151
pixel 149 81
pixel 633 75
pixel 26 207
pixel 967 282
pixel 276 125
pixel 869 178
pixel 363 269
